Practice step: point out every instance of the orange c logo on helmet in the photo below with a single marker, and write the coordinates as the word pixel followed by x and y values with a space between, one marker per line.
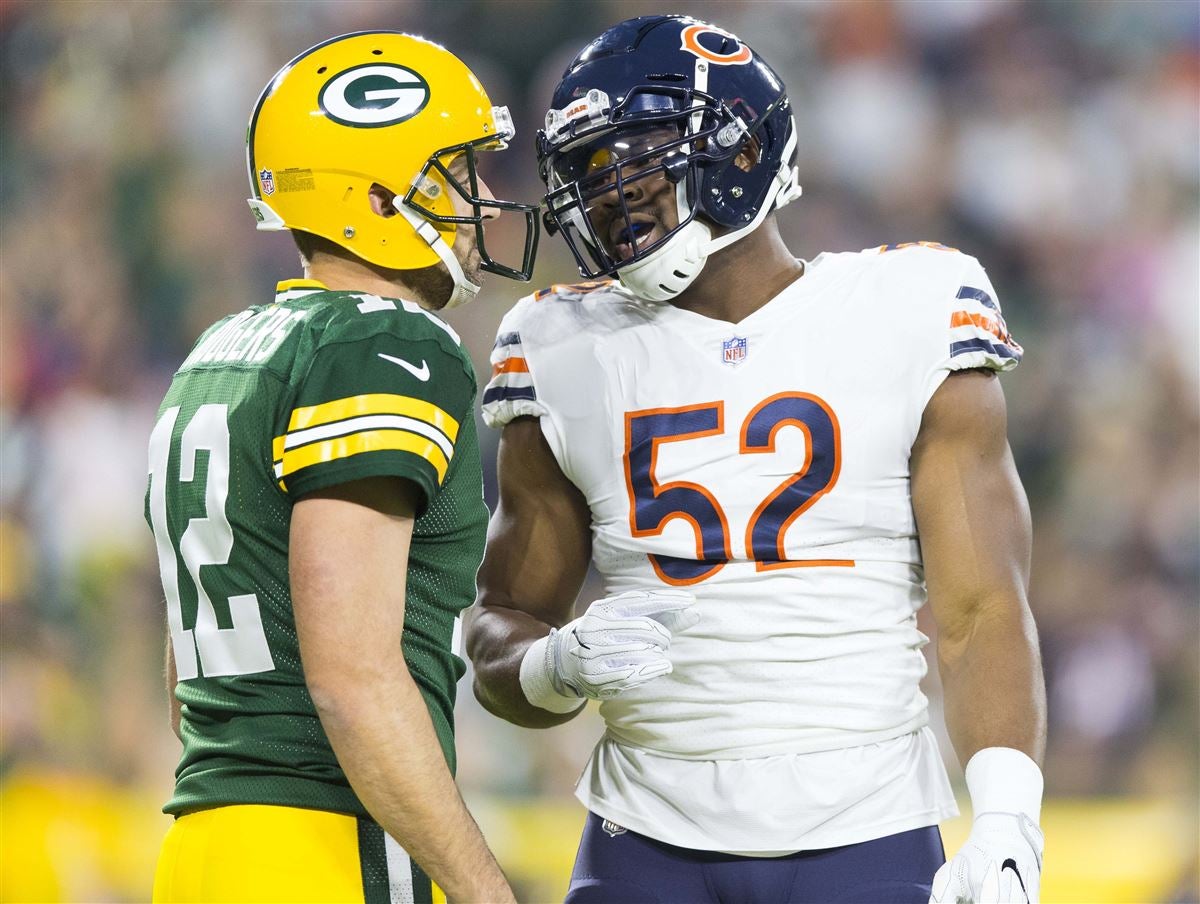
pixel 691 43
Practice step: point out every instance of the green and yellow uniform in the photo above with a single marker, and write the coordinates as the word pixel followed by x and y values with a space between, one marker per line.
pixel 317 389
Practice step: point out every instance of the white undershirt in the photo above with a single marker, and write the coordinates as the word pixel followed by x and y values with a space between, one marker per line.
pixel 771 806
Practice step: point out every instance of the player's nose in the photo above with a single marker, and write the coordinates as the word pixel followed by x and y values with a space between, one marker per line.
pixel 611 202
pixel 633 194
pixel 485 193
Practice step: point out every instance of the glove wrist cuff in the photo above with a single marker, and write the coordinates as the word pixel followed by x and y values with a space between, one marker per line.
pixel 1004 780
pixel 537 678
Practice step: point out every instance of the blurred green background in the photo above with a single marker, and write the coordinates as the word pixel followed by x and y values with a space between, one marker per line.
pixel 1057 141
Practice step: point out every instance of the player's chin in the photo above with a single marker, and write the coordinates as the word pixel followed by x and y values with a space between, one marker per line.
pixel 471 263
pixel 474 271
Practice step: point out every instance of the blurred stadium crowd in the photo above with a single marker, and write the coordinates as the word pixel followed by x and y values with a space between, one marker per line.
pixel 1058 142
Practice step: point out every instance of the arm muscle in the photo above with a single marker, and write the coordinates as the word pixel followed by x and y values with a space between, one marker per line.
pixel 539 546
pixel 973 522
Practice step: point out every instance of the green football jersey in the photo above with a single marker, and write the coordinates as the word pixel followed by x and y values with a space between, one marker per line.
pixel 316 389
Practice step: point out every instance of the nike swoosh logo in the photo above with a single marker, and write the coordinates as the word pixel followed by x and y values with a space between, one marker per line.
pixel 1012 865
pixel 421 373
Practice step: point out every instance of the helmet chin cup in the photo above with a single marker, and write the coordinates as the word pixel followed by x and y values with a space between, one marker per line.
pixel 464 291
pixel 672 268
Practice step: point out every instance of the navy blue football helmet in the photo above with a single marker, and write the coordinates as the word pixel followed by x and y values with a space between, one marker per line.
pixel 662 106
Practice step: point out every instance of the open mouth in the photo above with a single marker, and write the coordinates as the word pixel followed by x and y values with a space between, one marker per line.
pixel 626 237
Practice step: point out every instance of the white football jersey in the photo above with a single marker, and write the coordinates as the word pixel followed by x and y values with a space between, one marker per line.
pixel 764 465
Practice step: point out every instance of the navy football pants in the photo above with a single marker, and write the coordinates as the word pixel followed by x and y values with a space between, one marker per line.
pixel 628 868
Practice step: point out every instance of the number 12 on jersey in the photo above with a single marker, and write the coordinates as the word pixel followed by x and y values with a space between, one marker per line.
pixel 654 504
pixel 241 649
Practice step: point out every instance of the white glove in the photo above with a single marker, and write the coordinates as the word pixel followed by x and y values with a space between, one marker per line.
pixel 1001 860
pixel 620 642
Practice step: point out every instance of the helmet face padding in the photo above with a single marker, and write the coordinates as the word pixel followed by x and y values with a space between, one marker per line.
pixel 380 108
pixel 711 98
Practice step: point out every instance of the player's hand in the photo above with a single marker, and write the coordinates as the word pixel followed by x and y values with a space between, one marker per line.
pixel 1000 863
pixel 620 642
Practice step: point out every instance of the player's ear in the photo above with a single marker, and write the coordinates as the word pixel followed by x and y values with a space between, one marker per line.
pixel 748 156
pixel 383 200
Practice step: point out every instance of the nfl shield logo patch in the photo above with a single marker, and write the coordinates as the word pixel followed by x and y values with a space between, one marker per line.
pixel 733 351
pixel 266 179
pixel 612 829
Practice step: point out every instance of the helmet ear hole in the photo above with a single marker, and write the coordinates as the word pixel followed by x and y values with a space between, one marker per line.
pixel 749 155
pixel 383 201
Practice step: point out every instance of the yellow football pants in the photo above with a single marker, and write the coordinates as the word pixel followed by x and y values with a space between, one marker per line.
pixel 285 854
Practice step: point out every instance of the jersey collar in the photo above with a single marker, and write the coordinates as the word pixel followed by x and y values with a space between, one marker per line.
pixel 290 289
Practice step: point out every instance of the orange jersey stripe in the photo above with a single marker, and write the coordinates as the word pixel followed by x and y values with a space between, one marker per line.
pixel 966 318
pixel 511 366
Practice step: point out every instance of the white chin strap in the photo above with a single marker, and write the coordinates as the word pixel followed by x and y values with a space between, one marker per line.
pixel 464 289
pixel 673 267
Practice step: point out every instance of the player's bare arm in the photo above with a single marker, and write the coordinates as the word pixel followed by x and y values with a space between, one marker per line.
pixel 349 553
pixel 974 525
pixel 975 539
pixel 539 546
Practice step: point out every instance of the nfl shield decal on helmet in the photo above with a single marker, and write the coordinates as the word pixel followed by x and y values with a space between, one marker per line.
pixel 266 179
pixel 733 351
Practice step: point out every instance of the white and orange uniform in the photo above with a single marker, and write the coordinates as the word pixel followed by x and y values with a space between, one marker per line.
pixel 765 466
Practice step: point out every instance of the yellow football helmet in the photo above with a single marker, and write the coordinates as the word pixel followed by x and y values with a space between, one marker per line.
pixel 381 107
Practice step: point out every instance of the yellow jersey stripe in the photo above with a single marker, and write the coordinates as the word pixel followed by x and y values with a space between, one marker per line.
pixel 366 441
pixel 374 403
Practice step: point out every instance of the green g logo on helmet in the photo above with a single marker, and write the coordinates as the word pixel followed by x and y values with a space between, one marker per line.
pixel 373 95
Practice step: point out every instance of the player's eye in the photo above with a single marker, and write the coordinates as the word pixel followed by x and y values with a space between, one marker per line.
pixel 600 158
